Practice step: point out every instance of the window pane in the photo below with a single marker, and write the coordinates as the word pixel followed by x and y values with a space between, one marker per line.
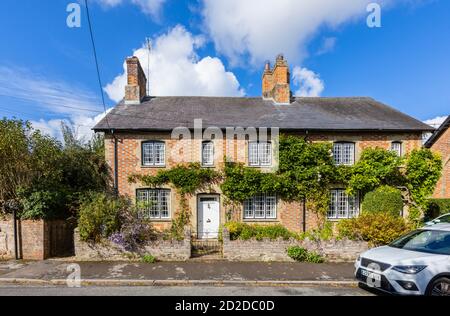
pixel 249 209
pixel 265 154
pixel 353 208
pixel 253 159
pixel 142 197
pixel 332 212
pixel 159 154
pixel 208 153
pixel 271 204
pixel 164 202
pixel 344 153
pixel 259 207
pixel 397 148
pixel 153 204
pixel 342 205
pixel 147 154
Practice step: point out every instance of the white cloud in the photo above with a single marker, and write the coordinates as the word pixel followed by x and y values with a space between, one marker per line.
pixel 176 70
pixel 436 122
pixel 150 7
pixel 34 94
pixel 328 45
pixel 309 83
pixel 260 29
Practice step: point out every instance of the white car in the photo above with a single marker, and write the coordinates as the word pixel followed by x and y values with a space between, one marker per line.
pixel 444 219
pixel 416 264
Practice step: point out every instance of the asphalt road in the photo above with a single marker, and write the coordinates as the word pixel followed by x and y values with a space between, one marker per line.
pixel 181 291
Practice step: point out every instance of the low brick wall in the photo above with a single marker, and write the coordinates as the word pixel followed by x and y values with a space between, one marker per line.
pixel 276 250
pixel 37 240
pixel 164 250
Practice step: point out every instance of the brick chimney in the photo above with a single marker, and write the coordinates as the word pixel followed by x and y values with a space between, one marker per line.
pixel 276 82
pixel 136 88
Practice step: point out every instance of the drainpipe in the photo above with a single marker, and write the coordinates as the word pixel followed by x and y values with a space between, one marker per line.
pixel 116 167
pixel 304 215
pixel 16 237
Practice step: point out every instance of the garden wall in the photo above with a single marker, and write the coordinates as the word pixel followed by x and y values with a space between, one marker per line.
pixel 164 250
pixel 276 250
pixel 37 240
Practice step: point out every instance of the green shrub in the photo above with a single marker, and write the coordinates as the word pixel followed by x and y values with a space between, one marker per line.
pixel 244 231
pixel 43 205
pixel 148 259
pixel 324 233
pixel 100 216
pixel 385 199
pixel 302 255
pixel 376 228
pixel 436 208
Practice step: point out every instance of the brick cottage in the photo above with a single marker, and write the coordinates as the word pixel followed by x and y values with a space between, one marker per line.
pixel 139 140
pixel 440 143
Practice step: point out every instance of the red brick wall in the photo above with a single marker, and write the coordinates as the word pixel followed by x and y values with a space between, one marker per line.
pixel 442 146
pixel 289 214
pixel 37 240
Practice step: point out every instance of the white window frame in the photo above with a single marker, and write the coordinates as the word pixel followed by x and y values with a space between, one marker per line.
pixel 155 211
pixel 260 154
pixel 156 154
pixel 343 206
pixel 344 153
pixel 208 152
pixel 397 147
pixel 261 207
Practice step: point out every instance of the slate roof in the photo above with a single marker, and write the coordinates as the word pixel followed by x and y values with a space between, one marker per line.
pixel 322 114
pixel 438 133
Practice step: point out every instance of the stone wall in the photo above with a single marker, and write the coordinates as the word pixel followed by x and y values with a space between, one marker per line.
pixel 37 240
pixel 164 250
pixel 276 250
pixel 6 239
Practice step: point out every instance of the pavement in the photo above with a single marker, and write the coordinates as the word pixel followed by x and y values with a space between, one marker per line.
pixel 183 291
pixel 223 273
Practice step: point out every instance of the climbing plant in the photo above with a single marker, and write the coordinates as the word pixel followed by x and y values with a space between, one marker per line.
pixel 423 170
pixel 306 171
pixel 186 179
pixel 375 168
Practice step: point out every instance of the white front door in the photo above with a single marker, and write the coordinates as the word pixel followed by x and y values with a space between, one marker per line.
pixel 208 217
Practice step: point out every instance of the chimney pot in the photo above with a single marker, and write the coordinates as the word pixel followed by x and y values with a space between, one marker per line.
pixel 276 82
pixel 136 88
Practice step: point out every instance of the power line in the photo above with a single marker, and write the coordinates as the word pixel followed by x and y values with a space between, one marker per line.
pixel 96 60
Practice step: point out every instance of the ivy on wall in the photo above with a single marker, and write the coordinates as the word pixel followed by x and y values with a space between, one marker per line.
pixel 307 172
pixel 187 179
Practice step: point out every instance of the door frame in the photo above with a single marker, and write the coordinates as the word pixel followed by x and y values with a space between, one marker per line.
pixel 200 196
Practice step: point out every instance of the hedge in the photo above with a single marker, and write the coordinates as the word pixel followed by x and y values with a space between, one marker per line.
pixel 383 200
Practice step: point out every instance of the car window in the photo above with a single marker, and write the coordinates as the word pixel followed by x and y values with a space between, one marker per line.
pixel 429 241
pixel 445 219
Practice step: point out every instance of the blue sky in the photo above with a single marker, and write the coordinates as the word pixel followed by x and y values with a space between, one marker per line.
pixel 218 47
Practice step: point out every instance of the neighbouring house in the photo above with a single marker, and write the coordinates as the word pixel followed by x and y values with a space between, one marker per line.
pixel 138 141
pixel 440 142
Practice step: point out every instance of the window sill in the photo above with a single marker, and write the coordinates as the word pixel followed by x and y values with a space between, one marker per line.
pixel 160 220
pixel 261 220
pixel 153 167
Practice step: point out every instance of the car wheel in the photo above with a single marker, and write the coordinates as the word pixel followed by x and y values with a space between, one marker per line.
pixel 440 287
